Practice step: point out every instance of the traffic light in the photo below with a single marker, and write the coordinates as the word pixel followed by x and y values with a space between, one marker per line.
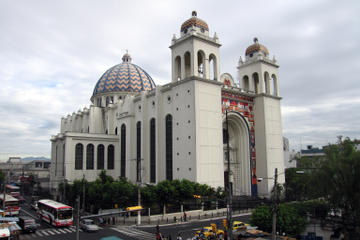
pixel 225 223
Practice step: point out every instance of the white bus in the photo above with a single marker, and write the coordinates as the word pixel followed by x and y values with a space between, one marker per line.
pixel 55 213
pixel 13 190
pixel 11 205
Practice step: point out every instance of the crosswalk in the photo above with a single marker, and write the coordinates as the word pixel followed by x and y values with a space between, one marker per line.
pixel 134 233
pixel 49 232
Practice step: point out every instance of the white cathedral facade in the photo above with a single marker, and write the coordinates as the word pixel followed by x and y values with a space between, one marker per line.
pixel 148 133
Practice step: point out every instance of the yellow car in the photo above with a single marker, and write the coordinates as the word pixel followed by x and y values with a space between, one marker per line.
pixel 237 225
pixel 209 231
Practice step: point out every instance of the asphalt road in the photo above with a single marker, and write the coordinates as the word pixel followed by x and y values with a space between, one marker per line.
pixel 187 230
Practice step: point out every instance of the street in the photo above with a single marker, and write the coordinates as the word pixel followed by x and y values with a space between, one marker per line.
pixel 145 232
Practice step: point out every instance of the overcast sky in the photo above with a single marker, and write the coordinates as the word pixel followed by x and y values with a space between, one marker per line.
pixel 52 53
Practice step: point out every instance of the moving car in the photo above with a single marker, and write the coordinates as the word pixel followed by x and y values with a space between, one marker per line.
pixel 237 226
pixel 88 225
pixel 209 231
pixel 27 224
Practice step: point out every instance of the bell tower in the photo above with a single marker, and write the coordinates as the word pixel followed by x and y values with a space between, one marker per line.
pixel 258 75
pixel 195 53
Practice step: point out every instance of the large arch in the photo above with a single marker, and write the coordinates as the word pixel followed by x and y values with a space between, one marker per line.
pixel 239 146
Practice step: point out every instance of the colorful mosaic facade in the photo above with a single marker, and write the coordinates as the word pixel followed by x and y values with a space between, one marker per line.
pixel 244 105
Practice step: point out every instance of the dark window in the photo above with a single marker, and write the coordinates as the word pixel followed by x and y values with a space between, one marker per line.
pixel 100 156
pixel 78 156
pixel 111 157
pixel 63 170
pixel 116 131
pixel 152 151
pixel 56 160
pixel 169 147
pixel 123 150
pixel 138 151
pixel 90 156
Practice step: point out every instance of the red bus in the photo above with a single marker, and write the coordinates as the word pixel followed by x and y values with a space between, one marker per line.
pixel 55 213
pixel 11 205
pixel 13 190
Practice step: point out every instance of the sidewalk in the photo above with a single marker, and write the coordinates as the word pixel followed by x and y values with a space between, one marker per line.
pixel 174 218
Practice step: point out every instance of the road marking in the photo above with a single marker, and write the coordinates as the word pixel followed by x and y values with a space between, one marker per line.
pixel 40 234
pixel 61 230
pixel 134 232
pixel 69 230
pixel 57 231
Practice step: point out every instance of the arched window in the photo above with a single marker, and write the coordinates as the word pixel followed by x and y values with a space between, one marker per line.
pixel 111 152
pixel 187 58
pixel 267 83
pixel 178 68
pixel 138 151
pixel 100 156
pixel 123 151
pixel 63 169
pixel 152 151
pixel 79 156
pixel 275 83
pixel 90 156
pixel 213 67
pixel 201 64
pixel 246 84
pixel 169 147
pixel 255 78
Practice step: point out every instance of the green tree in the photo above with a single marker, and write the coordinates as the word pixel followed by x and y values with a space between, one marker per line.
pixel 338 182
pixel 289 219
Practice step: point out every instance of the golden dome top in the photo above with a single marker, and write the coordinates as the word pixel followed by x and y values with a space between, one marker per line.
pixel 194 21
pixel 256 47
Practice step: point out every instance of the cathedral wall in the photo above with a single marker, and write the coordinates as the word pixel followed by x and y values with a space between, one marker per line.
pixel 184 148
pixel 209 154
pixel 269 143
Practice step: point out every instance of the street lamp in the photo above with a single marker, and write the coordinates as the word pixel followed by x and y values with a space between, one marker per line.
pixel 229 195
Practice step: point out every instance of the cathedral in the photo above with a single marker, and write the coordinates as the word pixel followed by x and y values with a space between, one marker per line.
pixel 148 133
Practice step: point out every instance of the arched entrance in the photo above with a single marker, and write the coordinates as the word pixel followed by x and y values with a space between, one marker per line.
pixel 240 168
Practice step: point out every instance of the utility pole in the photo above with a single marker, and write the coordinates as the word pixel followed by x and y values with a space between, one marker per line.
pixel 229 199
pixel 77 217
pixel 275 205
pixel 138 161
pixel 83 185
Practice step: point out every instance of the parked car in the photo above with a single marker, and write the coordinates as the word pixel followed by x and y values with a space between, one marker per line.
pixel 27 224
pixel 88 225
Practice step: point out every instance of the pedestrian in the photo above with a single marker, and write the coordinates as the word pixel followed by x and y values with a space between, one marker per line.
pixel 184 216
pixel 225 235
pixel 179 237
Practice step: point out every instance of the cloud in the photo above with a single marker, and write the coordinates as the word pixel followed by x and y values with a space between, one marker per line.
pixel 53 53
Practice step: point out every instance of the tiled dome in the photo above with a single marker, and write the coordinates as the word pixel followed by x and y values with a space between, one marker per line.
pixel 124 77
pixel 256 47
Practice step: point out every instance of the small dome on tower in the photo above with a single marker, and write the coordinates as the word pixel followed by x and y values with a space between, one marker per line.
pixel 256 47
pixel 194 21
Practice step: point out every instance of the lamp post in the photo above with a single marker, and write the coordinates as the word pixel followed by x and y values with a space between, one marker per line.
pixel 229 195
